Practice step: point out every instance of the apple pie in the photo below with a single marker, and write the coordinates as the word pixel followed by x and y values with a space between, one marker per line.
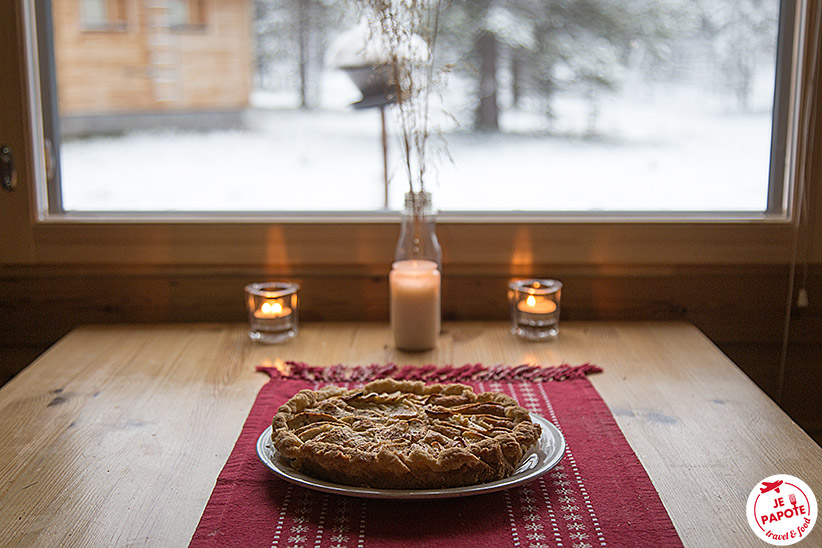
pixel 403 435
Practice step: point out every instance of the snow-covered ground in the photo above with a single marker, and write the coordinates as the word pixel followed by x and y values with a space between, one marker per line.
pixel 654 149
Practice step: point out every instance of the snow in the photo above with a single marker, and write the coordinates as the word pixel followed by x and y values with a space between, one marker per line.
pixel 358 47
pixel 658 148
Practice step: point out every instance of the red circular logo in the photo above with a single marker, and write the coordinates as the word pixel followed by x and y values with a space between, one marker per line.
pixel 781 510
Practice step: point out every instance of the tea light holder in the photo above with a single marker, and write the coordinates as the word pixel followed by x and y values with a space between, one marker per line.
pixel 535 308
pixel 273 311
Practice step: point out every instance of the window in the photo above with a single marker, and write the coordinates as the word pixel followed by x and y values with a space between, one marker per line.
pixel 186 14
pixel 692 115
pixel 144 247
pixel 101 14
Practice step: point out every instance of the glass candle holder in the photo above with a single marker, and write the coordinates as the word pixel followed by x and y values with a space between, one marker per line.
pixel 535 308
pixel 273 311
pixel 415 304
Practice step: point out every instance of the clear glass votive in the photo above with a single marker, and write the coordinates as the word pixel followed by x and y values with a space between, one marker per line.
pixel 273 311
pixel 535 308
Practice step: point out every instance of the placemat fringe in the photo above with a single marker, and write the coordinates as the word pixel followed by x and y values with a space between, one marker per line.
pixel 429 373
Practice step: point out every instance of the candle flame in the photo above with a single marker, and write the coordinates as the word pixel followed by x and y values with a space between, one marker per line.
pixel 531 300
pixel 271 308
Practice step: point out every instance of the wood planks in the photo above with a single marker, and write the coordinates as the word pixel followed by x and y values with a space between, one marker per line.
pixel 116 69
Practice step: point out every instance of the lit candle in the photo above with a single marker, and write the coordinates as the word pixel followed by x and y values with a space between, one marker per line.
pixel 272 309
pixel 535 308
pixel 537 305
pixel 415 304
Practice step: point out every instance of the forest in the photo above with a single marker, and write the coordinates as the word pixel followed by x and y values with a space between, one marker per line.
pixel 511 53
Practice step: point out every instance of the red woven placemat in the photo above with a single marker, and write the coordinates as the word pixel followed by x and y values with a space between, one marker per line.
pixel 598 496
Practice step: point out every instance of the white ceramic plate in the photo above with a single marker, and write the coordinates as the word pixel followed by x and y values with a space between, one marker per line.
pixel 542 458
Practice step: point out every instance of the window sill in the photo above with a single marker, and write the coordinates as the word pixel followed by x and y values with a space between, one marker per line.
pixel 391 217
pixel 498 246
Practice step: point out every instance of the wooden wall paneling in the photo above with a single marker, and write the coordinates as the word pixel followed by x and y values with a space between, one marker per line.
pixel 732 304
pixel 14 358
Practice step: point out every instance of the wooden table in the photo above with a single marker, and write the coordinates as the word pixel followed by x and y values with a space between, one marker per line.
pixel 116 435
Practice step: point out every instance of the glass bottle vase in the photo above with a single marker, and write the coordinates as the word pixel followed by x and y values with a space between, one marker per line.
pixel 418 236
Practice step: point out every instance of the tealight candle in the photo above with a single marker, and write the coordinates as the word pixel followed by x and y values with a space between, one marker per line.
pixel 534 305
pixel 535 308
pixel 272 311
pixel 415 304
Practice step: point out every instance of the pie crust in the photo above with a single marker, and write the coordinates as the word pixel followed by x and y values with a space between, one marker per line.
pixel 403 435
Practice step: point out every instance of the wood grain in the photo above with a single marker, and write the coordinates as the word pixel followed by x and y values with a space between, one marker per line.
pixel 730 303
pixel 109 71
pixel 128 426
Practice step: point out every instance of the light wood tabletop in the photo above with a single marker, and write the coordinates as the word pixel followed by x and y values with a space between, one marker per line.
pixel 116 435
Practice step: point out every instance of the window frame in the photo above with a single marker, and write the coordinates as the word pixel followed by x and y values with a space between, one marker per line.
pixel 479 242
pixel 778 204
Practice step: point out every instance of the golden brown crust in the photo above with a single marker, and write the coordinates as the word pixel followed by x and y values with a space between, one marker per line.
pixel 403 435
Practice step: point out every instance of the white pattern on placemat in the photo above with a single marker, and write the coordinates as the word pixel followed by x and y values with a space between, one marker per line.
pixel 525 498
pixel 536 536
pixel 530 494
pixel 321 521
pixel 297 538
pixel 361 532
pixel 554 525
pixel 572 516
pixel 509 506
pixel 281 518
pixel 528 399
pixel 340 531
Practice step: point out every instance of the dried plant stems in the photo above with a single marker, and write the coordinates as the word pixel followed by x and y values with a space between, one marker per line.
pixel 406 31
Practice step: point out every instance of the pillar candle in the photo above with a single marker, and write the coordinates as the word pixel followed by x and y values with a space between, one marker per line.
pixel 415 304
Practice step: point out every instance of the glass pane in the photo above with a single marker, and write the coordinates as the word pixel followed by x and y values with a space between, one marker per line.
pixel 178 13
pixel 95 13
pixel 607 105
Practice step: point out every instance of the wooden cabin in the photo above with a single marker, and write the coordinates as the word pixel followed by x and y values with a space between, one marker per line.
pixel 121 61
